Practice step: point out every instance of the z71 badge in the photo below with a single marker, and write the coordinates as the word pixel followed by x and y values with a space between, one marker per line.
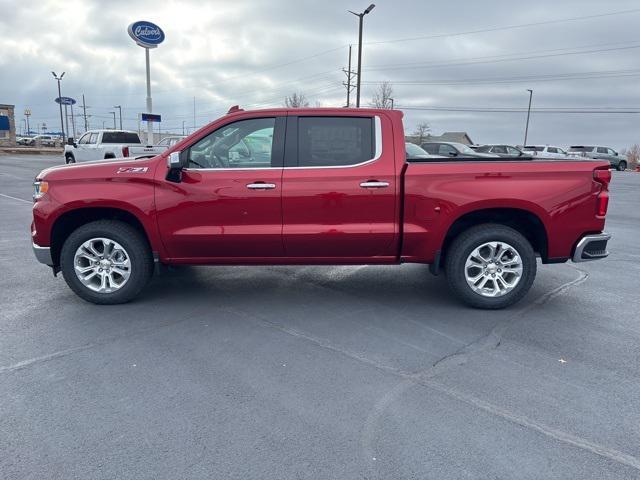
pixel 133 170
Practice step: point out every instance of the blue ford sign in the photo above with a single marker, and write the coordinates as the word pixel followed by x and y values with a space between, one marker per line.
pixel 65 101
pixel 146 34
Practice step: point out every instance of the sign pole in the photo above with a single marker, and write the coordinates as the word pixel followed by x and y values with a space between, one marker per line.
pixel 66 121
pixel 149 103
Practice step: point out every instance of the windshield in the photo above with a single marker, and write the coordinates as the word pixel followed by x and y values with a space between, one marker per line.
pixel 414 150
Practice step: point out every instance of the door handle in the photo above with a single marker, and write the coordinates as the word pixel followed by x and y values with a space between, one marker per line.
pixel 374 184
pixel 261 186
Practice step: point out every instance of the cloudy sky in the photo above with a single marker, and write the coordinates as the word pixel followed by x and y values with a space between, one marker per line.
pixel 450 63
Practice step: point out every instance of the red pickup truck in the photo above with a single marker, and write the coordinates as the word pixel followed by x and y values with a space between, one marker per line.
pixel 317 186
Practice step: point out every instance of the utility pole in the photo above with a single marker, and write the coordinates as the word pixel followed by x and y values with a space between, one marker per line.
pixel 60 97
pixel 350 74
pixel 194 114
pixel 183 127
pixel 360 18
pixel 114 120
pixel 84 114
pixel 526 130
pixel 73 122
pixel 120 110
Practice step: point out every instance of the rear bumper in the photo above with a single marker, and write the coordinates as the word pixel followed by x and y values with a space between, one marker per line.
pixel 591 247
pixel 43 254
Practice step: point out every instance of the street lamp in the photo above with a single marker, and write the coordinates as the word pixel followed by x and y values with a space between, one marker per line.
pixel 526 130
pixel 360 17
pixel 60 97
pixel 114 120
pixel 120 110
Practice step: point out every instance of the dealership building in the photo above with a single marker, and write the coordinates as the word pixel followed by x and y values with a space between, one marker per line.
pixel 7 125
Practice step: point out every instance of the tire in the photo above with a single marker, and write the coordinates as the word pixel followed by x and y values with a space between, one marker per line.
pixel 69 159
pixel 622 166
pixel 109 156
pixel 459 265
pixel 125 243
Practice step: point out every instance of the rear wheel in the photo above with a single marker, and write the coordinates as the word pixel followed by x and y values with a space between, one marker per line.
pixel 622 166
pixel 106 262
pixel 490 266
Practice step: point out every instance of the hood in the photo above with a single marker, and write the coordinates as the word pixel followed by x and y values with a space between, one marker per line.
pixel 98 168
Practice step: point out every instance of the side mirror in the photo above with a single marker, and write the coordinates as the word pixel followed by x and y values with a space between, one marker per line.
pixel 615 153
pixel 176 161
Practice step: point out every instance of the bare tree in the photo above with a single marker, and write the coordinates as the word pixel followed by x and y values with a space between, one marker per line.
pixel 296 100
pixel 383 96
pixel 633 155
pixel 421 132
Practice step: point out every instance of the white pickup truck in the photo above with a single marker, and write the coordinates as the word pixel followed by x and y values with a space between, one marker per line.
pixel 104 144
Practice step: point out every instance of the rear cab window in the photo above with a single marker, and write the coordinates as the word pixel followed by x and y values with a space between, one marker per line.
pixel 335 141
pixel 120 137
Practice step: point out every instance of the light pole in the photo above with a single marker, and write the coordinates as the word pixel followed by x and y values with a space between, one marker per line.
pixel 60 97
pixel 114 119
pixel 182 127
pixel 391 103
pixel 120 110
pixel 526 130
pixel 27 114
pixel 360 18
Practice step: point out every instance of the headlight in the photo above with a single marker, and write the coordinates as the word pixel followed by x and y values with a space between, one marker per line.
pixel 39 189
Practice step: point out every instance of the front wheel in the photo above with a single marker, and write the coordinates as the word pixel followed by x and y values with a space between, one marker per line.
pixel 622 166
pixel 69 159
pixel 106 262
pixel 490 266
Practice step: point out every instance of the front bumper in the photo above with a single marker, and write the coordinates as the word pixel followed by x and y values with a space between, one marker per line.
pixel 591 247
pixel 43 254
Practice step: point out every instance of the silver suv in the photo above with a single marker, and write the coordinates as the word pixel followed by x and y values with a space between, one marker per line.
pixel 617 161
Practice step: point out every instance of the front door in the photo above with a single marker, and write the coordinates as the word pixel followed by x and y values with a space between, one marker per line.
pixel 339 189
pixel 227 206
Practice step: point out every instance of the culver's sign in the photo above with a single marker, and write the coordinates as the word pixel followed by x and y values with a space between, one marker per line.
pixel 146 34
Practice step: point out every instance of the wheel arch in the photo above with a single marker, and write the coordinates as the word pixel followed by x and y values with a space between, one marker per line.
pixel 73 219
pixel 525 221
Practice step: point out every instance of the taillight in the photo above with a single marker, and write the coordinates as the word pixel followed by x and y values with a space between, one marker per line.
pixel 125 151
pixel 603 177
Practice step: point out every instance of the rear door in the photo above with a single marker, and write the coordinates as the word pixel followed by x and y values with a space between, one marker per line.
pixel 227 206
pixel 339 188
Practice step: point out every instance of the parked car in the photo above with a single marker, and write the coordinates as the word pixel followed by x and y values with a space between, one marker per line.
pixel 43 140
pixel 107 144
pixel 501 150
pixel 171 141
pixel 334 190
pixel 545 151
pixel 416 152
pixel 617 161
pixel 451 149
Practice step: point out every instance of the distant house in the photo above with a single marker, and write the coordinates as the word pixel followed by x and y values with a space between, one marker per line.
pixel 459 137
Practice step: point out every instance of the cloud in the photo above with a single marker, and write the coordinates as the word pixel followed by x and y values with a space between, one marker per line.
pixel 254 53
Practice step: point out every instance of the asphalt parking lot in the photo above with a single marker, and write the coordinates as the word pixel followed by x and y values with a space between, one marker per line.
pixel 318 372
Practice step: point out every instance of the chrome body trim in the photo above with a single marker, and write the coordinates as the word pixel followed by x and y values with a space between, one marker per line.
pixel 584 242
pixel 43 254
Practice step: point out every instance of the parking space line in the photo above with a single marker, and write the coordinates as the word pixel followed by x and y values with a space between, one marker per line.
pixel 16 198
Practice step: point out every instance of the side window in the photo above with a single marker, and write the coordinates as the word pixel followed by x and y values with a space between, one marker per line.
pixel 447 150
pixel 611 151
pixel 499 149
pixel 241 144
pixel 513 151
pixel 552 150
pixel 602 150
pixel 335 141
pixel 431 148
pixel 84 139
pixel 93 138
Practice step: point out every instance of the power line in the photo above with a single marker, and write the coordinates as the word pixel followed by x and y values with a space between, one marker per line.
pixel 584 110
pixel 507 27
